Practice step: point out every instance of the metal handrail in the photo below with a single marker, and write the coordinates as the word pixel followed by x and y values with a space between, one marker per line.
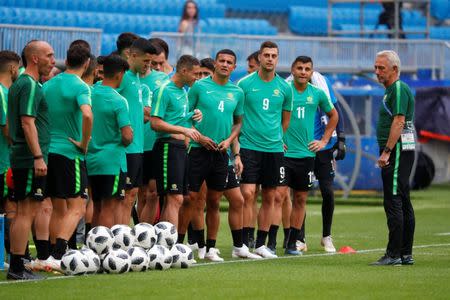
pixel 14 37
pixel 330 55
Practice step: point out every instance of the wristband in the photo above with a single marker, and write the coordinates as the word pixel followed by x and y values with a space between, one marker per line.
pixel 38 157
pixel 387 149
pixel 237 154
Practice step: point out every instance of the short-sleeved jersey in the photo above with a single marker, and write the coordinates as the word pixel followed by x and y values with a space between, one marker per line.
pixel 218 103
pixel 25 98
pixel 106 154
pixel 4 146
pixel 397 100
pixel 137 97
pixel 151 82
pixel 65 94
pixel 301 127
pixel 264 102
pixel 170 103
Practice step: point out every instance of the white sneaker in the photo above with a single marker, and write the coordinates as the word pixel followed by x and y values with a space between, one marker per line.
pixel 243 252
pixel 264 252
pixel 201 253
pixel 41 265
pixel 213 255
pixel 54 264
pixel 327 243
pixel 194 247
pixel 301 246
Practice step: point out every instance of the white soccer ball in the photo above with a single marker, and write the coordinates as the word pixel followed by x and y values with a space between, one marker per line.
pixel 167 234
pixel 160 258
pixel 139 259
pixel 182 256
pixel 123 237
pixel 145 235
pixel 100 239
pixel 74 262
pixel 117 262
pixel 93 259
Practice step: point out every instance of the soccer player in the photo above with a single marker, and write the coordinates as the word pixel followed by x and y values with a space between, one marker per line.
pixel 206 67
pixel 161 63
pixel 300 143
pixel 9 71
pixel 28 123
pixel 99 75
pixel 139 102
pixel 253 62
pixel 395 135
pixel 148 206
pixel 221 103
pixel 267 111
pixel 69 100
pixel 324 165
pixel 124 42
pixel 90 74
pixel 171 119
pixel 109 139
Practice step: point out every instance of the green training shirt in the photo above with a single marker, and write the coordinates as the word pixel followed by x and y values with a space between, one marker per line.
pixel 218 103
pixel 301 127
pixel 106 154
pixel 397 100
pixel 137 97
pixel 263 106
pixel 152 81
pixel 4 145
pixel 170 103
pixel 25 98
pixel 65 94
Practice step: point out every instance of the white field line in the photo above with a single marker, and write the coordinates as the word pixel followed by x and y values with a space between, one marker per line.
pixel 246 261
pixel 443 234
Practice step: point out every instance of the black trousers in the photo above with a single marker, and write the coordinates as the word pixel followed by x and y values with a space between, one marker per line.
pixel 397 203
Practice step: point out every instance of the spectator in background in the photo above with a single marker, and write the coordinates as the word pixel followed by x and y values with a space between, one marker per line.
pixel 253 62
pixel 189 18
pixel 189 25
pixel 387 17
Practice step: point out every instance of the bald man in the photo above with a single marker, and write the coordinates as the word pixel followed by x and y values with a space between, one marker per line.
pixel 29 130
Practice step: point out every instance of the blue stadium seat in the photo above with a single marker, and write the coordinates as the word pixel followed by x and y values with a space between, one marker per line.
pixel 440 33
pixel 440 9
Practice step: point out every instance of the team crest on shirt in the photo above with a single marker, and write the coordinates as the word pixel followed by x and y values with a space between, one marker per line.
pixel 158 82
pixel 276 92
pixel 174 187
pixel 38 192
pixel 309 100
pixel 230 96
pixel 128 180
pixel 122 193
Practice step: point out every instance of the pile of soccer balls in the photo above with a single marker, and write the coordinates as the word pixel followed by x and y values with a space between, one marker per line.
pixel 122 249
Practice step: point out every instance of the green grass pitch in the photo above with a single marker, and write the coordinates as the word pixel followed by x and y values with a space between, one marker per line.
pixel 359 222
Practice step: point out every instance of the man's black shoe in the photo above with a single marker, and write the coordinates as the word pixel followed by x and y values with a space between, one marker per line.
pixel 407 260
pixel 23 275
pixel 387 261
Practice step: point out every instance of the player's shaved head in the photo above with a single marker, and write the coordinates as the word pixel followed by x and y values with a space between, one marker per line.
pixel 39 56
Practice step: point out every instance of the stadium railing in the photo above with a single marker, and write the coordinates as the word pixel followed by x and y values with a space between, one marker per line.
pixel 15 37
pixel 331 55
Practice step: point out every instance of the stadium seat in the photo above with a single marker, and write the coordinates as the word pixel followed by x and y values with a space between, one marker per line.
pixel 440 9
